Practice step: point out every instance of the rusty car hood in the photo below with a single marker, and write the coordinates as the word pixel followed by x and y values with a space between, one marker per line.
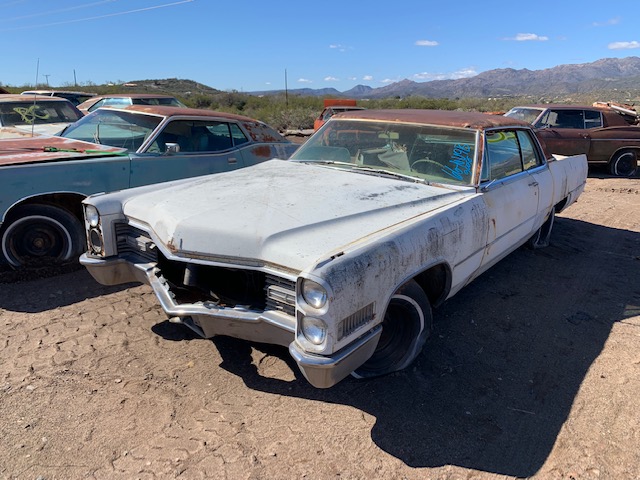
pixel 281 213
pixel 24 148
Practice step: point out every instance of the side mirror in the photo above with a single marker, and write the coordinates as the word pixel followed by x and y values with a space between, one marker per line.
pixel 171 148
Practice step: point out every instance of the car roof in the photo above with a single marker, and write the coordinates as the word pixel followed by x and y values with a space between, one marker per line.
pixel 18 97
pixel 132 95
pixel 475 120
pixel 54 92
pixel 563 106
pixel 169 111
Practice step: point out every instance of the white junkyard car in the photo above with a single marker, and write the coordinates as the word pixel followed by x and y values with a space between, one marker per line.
pixel 341 252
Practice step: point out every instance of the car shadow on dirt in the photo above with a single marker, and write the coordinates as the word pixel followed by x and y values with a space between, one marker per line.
pixel 57 287
pixel 505 361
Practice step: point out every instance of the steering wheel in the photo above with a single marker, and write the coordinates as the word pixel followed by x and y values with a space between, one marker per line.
pixel 426 161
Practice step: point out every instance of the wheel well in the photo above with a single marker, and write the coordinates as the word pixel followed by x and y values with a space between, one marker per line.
pixel 72 202
pixel 558 207
pixel 436 283
pixel 636 150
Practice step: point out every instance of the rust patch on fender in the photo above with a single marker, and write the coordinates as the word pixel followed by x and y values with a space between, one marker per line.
pixel 263 151
pixel 172 248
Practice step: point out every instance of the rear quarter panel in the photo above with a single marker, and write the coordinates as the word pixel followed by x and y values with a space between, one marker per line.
pixel 569 178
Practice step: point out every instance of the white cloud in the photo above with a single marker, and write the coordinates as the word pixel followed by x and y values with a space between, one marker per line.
pixel 462 73
pixel 623 45
pixel 367 78
pixel 528 37
pixel 337 46
pixel 611 21
pixel 304 80
pixel 426 43
pixel 352 79
pixel 389 80
pixel 331 79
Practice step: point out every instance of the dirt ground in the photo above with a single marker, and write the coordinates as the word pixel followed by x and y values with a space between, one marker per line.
pixel 532 371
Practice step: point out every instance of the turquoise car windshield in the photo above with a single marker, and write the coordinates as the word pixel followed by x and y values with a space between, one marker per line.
pixel 114 128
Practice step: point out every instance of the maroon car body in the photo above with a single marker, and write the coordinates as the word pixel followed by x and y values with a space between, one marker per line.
pixel 607 135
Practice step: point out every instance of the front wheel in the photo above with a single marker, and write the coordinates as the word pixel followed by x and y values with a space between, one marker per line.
pixel 38 234
pixel 405 328
pixel 624 163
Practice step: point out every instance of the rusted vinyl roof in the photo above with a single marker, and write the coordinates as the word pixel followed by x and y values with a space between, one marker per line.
pixel 49 149
pixel 475 120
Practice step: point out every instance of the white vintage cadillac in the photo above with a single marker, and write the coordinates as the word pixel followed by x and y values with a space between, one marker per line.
pixel 340 252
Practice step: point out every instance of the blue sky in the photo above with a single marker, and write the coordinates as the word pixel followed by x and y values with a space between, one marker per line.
pixel 248 45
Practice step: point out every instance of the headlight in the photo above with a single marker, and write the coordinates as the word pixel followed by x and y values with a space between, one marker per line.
pixel 314 330
pixel 314 293
pixel 92 215
pixel 95 241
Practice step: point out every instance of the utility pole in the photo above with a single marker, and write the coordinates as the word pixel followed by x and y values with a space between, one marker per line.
pixel 47 78
pixel 286 92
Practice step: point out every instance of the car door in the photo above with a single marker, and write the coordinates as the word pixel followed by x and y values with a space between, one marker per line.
pixel 564 131
pixel 186 148
pixel 510 194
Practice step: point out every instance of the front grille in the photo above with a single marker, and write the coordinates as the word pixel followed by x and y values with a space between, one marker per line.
pixel 280 294
pixel 131 241
pixel 355 321
pixel 228 287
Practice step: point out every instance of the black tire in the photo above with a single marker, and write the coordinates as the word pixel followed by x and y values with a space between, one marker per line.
pixel 41 234
pixel 405 329
pixel 624 163
pixel 540 239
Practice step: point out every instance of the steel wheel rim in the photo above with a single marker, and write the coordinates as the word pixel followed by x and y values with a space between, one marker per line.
pixel 40 237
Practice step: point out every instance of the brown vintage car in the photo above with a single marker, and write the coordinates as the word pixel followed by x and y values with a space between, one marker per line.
pixel 607 133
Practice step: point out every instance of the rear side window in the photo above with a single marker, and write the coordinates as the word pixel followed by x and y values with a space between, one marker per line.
pixel 530 158
pixel 592 119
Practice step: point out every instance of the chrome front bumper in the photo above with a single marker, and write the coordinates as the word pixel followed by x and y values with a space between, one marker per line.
pixel 208 320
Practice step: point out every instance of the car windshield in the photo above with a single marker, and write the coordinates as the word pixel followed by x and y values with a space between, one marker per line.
pixel 114 128
pixel 416 152
pixel 528 115
pixel 36 113
pixel 170 102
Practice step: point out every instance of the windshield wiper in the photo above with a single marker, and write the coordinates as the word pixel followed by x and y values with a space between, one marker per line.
pixel 402 176
pixel 328 162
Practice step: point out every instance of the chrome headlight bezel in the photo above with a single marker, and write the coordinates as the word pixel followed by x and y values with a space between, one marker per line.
pixel 314 330
pixel 92 216
pixel 314 294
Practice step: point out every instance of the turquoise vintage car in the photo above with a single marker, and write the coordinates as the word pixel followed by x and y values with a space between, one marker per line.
pixel 43 180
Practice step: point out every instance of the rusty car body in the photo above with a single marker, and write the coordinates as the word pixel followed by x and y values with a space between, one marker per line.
pixel 607 135
pixel 124 99
pixel 340 252
pixel 333 106
pixel 37 114
pixel 44 179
